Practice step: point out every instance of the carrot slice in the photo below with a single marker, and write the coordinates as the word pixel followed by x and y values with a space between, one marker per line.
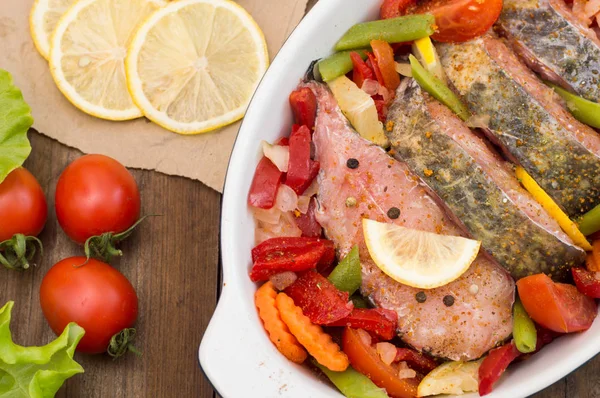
pixel 278 331
pixel 318 343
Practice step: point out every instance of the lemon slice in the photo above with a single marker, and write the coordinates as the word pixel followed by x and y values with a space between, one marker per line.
pixel 359 108
pixel 416 258
pixel 87 55
pixel 426 53
pixel 454 378
pixel 194 65
pixel 43 19
pixel 552 208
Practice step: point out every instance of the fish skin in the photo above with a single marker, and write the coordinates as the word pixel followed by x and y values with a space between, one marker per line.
pixel 527 121
pixel 476 322
pixel 480 189
pixel 554 43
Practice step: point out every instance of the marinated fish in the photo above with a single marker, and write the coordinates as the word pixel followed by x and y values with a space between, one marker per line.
pixel 477 186
pixel 553 42
pixel 369 186
pixel 527 121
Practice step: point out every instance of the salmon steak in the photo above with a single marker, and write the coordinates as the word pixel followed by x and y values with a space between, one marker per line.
pixel 526 120
pixel 368 187
pixel 477 186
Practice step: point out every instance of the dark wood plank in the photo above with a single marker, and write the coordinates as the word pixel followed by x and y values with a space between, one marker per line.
pixel 172 262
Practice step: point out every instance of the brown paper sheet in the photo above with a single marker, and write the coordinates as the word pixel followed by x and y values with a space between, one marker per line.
pixel 138 143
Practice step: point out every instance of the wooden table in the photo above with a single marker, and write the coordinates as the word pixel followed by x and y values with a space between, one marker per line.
pixel 173 262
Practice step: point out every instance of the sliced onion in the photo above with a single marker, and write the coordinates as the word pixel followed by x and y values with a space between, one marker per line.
pixel 283 280
pixel 364 337
pixel 405 372
pixel 286 199
pixel 269 216
pixel 371 87
pixel 286 227
pixel 312 189
pixel 387 352
pixel 479 121
pixel 404 69
pixel 303 203
pixel 279 155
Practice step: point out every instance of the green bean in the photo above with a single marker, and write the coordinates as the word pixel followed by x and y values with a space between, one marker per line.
pixel 585 111
pixel 338 64
pixel 590 221
pixel 437 89
pixel 395 30
pixel 352 383
pixel 347 275
pixel 524 332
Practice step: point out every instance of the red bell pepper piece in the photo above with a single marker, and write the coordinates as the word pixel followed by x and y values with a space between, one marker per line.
pixel 586 282
pixel 304 106
pixel 382 108
pixel 376 321
pixel 319 299
pixel 280 260
pixel 293 244
pixel 284 141
pixel 265 184
pixel 361 70
pixel 494 365
pixel 299 166
pixel 372 62
pixel 308 223
pixel 415 360
pixel 395 8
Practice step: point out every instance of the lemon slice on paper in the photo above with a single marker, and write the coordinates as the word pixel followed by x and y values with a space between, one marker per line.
pixel 455 378
pixel 194 65
pixel 43 19
pixel 87 55
pixel 416 258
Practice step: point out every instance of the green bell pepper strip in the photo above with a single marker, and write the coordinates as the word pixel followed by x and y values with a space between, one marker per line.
pixel 338 64
pixel 524 331
pixel 352 383
pixel 585 111
pixel 590 221
pixel 437 89
pixel 347 275
pixel 395 30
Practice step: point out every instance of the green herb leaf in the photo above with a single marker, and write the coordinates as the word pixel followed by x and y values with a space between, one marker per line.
pixel 15 121
pixel 36 372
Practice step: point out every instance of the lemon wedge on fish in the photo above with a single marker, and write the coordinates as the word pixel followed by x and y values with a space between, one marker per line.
pixel 454 378
pixel 416 258
pixel 193 66
pixel 87 55
pixel 360 109
pixel 43 19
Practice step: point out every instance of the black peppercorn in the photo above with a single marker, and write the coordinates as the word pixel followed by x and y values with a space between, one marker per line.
pixel 448 301
pixel 352 163
pixel 421 297
pixel 393 213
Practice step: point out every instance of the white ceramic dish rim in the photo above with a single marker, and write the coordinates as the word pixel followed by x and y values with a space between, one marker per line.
pixel 235 352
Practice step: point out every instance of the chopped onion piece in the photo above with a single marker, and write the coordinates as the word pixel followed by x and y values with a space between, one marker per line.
pixel 405 372
pixel 364 336
pixel 283 280
pixel 286 227
pixel 312 189
pixel 278 154
pixel 286 199
pixel 371 87
pixel 404 69
pixel 303 203
pixel 269 216
pixel 387 352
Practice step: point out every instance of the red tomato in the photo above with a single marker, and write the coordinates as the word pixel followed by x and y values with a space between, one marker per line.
pixel 556 306
pixel 95 296
pixel 23 208
pixel 283 260
pixel 96 194
pixel 364 359
pixel 494 365
pixel 304 106
pixel 266 181
pixel 461 20
pixel 384 54
pixel 299 169
pixel 586 282
pixel 394 8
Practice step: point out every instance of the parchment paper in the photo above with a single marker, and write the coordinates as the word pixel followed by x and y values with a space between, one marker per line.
pixel 138 143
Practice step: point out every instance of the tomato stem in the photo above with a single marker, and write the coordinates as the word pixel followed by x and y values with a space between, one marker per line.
pixel 103 246
pixel 17 252
pixel 120 343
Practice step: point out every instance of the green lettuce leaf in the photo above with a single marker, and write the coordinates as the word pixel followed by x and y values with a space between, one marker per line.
pixel 36 372
pixel 15 121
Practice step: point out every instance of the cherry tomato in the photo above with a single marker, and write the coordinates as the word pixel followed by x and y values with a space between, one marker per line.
pixel 556 306
pixel 364 359
pixel 23 208
pixel 96 194
pixel 94 295
pixel 587 282
pixel 395 8
pixel 461 20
